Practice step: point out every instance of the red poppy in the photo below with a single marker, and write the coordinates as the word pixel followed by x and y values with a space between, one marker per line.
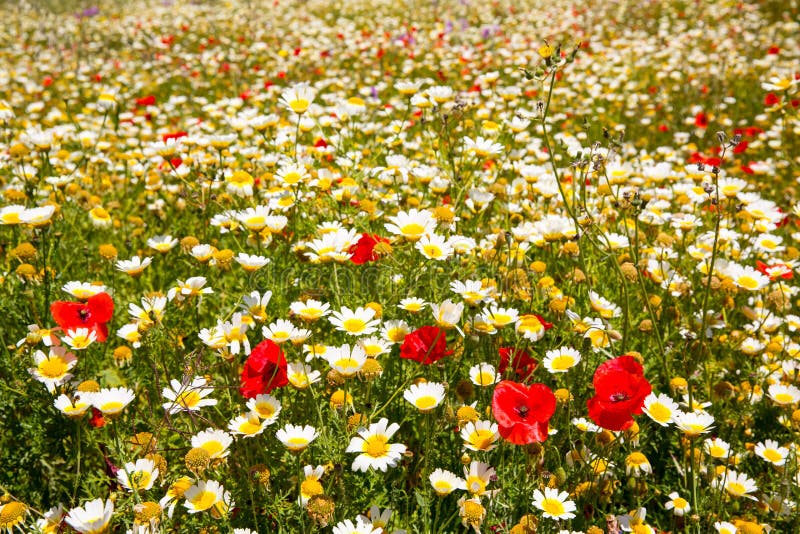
pixel 520 361
pixel 264 370
pixel 425 345
pixel 364 249
pixel 92 314
pixel 523 412
pixel 620 389
pixel 97 420
pixel 701 120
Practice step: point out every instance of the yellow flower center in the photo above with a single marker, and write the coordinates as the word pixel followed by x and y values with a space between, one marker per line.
pixel 425 403
pixel 347 366
pixel 481 439
pixel 412 229
pixel 265 410
pixel 660 413
pixel 442 487
pixel 735 488
pixel 311 487
pixel 297 442
pixel 432 251
pixel 563 362
pixel 213 448
pixel 680 503
pixel 376 446
pixel 188 399
pixel 748 282
pixel 53 368
pixel 299 105
pixel 204 500
pixel 476 485
pixel 473 512
pixel 772 455
pixel 139 479
pixel 250 427
pixel 784 398
pixel 717 452
pixel 354 325
pixel 292 177
pixel 553 507
pixel 111 407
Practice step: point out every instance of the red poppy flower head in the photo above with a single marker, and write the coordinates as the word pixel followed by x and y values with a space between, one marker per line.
pixel 264 370
pixel 523 412
pixel 364 249
pixel 520 361
pixel 425 345
pixel 620 390
pixel 93 314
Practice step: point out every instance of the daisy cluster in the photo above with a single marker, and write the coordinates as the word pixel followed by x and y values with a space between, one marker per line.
pixel 368 267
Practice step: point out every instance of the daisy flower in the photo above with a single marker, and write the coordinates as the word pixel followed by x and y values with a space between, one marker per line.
pixel 251 262
pixel 447 314
pixel 472 291
pixel 52 369
pixel 359 527
pixel 138 476
pixel 162 243
pixel 717 448
pixel 279 331
pixel 310 310
pixel 477 476
pixel 248 425
pixel 80 338
pixel 736 484
pixel 412 224
pixel 444 482
pixel 310 485
pixel 425 396
pixel 637 463
pixel 770 451
pixel 500 317
pixel 412 304
pixel 266 407
pixel 111 401
pixel 300 375
pixel 483 374
pixel 782 394
pixel 480 436
pixel 472 513
pixel 561 360
pixel 189 397
pixel 83 290
pixel 93 517
pixel 375 451
pixel 192 287
pixel 71 408
pixel 604 307
pixel 554 504
pixel 208 495
pixel 215 442
pixel 134 266
pixel 660 408
pixel 693 424
pixel 255 305
pixel 374 346
pixel 358 322
pixel 677 504
pixel 346 361
pixel 298 98
pixel 434 247
pixel 297 438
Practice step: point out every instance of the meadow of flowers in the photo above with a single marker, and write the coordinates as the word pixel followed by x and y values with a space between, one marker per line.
pixel 373 267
